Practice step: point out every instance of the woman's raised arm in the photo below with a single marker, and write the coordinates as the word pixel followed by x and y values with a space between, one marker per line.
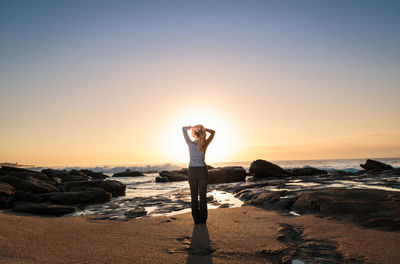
pixel 185 134
pixel 210 137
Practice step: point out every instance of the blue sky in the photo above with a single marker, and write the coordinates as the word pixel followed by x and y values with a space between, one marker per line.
pixel 328 68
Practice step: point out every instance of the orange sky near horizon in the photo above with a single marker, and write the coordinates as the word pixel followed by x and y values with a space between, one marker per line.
pixel 113 85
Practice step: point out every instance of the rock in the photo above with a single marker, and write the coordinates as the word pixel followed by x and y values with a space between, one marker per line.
pixel 357 205
pixel 114 187
pixel 262 168
pixel 75 175
pixel 161 179
pixel 22 173
pixel 78 185
pixel 28 197
pixel 7 193
pixel 383 223
pixel 89 196
pixel 29 184
pixel 55 181
pixel 375 165
pixel 183 171
pixel 42 208
pixel 94 175
pixel 55 173
pixel 138 211
pixel 173 176
pixel 266 197
pixel 227 174
pixel 128 173
pixel 305 171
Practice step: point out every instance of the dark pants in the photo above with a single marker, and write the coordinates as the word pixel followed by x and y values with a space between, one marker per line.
pixel 198 177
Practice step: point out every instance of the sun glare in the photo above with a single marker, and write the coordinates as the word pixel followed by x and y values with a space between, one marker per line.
pixel 221 148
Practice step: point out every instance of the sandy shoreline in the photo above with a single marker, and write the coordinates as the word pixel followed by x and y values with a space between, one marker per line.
pixel 232 235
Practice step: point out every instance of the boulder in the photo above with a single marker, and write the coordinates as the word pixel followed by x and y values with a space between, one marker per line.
pixel 94 175
pixel 262 168
pixel 29 184
pixel 138 211
pixel 42 208
pixel 7 193
pixel 22 173
pixel 227 174
pixel 55 173
pixel 305 171
pixel 161 179
pixel 375 165
pixel 128 173
pixel 357 205
pixel 265 197
pixel 116 188
pixel 79 185
pixel 173 176
pixel 89 196
pixel 75 175
pixel 28 197
pixel 183 171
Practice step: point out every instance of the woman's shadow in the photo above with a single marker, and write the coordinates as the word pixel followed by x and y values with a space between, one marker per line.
pixel 200 250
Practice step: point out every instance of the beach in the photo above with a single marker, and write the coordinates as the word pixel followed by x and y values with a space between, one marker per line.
pixel 231 235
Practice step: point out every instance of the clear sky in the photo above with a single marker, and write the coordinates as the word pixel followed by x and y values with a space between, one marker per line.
pixel 113 82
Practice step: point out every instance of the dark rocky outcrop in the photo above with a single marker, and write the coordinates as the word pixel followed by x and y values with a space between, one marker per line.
pixel 42 208
pixel 28 183
pixel 28 197
pixel 161 179
pixel 226 174
pixel 172 176
pixel 41 192
pixel 75 175
pixel 367 207
pixel 128 173
pixel 183 171
pixel 55 173
pixel 94 175
pixel 79 185
pixel 262 168
pixel 114 187
pixel 137 212
pixel 89 196
pixel 22 173
pixel 306 171
pixel 375 165
pixel 7 193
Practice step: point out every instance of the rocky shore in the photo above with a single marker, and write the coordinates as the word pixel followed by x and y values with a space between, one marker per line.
pixel 54 192
pixel 369 197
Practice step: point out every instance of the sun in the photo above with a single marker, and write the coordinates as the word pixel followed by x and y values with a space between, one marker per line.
pixel 221 149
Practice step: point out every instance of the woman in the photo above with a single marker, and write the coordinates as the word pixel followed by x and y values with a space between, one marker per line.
pixel 197 173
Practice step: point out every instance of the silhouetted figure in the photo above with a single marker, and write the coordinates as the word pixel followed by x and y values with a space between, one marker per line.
pixel 197 172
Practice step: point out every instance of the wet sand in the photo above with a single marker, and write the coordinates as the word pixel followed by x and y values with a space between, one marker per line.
pixel 232 235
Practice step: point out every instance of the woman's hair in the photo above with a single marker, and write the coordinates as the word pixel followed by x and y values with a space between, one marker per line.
pixel 201 137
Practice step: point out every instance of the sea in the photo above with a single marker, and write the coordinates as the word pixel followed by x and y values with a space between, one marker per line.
pixel 173 197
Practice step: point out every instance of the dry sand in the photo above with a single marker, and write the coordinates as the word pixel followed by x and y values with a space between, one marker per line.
pixel 232 235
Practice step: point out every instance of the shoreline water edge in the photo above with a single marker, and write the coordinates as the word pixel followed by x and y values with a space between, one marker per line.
pixel 129 194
